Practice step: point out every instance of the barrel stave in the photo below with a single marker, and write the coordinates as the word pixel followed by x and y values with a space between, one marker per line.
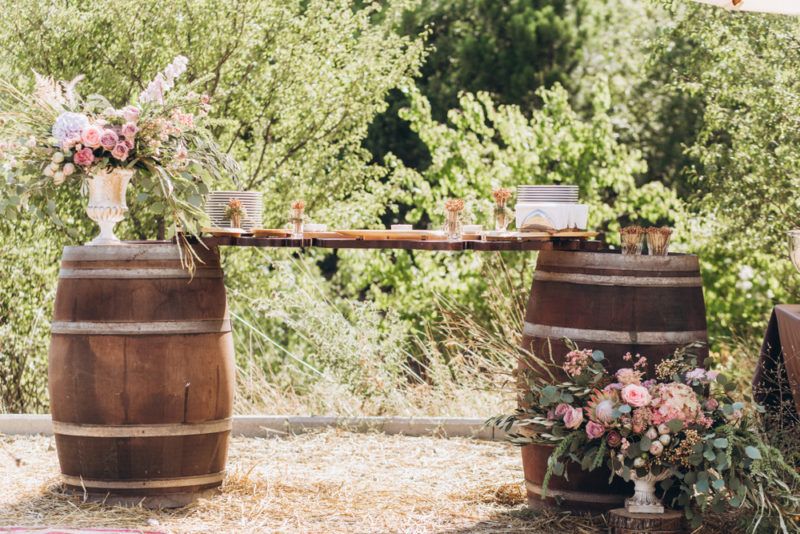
pixel 141 374
pixel 645 305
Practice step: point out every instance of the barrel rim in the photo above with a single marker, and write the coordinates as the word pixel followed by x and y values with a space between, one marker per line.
pixel 156 250
pixel 678 262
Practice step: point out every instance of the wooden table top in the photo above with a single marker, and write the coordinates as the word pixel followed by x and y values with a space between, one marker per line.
pixel 554 243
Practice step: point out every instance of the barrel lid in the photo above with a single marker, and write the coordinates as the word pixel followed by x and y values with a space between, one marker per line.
pixel 144 251
pixel 610 260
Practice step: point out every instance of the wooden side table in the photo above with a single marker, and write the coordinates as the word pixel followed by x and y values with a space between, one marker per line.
pixel 777 378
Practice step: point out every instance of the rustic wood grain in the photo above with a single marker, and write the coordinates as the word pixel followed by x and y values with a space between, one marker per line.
pixel 144 354
pixel 615 304
pixel 621 521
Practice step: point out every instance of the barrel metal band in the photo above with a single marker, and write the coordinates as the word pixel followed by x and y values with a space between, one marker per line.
pixel 576 496
pixel 138 274
pixel 154 328
pixel 196 480
pixel 614 336
pixel 616 280
pixel 142 431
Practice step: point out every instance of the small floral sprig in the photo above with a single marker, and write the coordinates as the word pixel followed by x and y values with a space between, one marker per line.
pixel 298 205
pixel 454 205
pixel 501 196
pixel 235 208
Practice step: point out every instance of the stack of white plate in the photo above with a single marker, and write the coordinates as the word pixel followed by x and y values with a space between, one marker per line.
pixel 550 207
pixel 558 194
pixel 216 201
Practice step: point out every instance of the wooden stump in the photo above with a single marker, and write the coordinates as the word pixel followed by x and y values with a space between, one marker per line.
pixel 621 521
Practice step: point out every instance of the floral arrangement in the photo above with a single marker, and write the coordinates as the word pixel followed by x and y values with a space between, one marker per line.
pixel 454 205
pixel 235 211
pixel 632 238
pixel 502 214
pixel 658 240
pixel 53 135
pixel 678 418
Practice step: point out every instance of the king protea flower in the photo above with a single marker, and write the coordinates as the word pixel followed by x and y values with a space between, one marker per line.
pixel 600 407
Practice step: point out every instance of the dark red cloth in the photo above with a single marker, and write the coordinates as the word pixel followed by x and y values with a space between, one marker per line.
pixel 777 378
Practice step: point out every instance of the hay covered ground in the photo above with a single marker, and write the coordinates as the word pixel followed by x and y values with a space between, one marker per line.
pixel 331 481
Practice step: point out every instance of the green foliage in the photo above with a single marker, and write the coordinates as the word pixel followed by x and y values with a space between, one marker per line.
pixel 294 84
pixel 27 289
pixel 741 71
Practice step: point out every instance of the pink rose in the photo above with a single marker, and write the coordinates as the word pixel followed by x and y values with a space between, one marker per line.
pixel 84 157
pixel 614 439
pixel 130 113
pixel 636 395
pixel 120 152
pixel 561 409
pixel 109 139
pixel 711 404
pixel 90 136
pixel 128 143
pixel 594 430
pixel 573 418
pixel 129 130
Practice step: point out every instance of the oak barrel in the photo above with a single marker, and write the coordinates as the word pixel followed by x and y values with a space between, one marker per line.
pixel 141 374
pixel 616 303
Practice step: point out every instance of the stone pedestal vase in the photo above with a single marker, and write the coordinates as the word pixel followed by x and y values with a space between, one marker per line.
pixel 107 204
pixel 644 500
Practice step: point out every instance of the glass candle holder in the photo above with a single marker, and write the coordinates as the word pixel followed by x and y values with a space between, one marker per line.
pixel 658 241
pixel 632 239
pixel 297 219
pixel 452 225
pixel 501 217
pixel 794 248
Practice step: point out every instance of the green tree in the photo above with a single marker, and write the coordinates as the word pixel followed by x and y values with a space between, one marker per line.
pixel 294 86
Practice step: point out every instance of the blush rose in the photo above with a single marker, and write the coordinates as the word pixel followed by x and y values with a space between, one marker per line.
pixel 636 395
pixel 84 157
pixel 90 136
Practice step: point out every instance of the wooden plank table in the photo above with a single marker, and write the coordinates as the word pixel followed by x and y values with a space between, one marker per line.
pixel 552 243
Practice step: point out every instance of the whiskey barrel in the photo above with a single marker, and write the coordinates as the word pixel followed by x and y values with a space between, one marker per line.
pixel 650 305
pixel 141 374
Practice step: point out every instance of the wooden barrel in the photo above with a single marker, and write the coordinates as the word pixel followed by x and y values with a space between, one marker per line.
pixel 648 305
pixel 141 374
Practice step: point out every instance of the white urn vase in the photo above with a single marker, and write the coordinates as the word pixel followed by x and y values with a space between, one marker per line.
pixel 644 500
pixel 107 204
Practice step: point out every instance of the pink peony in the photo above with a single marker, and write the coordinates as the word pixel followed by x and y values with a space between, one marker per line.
pixel 573 418
pixel 84 157
pixel 636 395
pixel 711 404
pixel 674 401
pixel 120 152
pixel 129 130
pixel 109 139
pixel 90 136
pixel 594 430
pixel 130 113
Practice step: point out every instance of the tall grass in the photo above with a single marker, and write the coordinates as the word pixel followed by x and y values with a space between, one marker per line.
pixel 302 350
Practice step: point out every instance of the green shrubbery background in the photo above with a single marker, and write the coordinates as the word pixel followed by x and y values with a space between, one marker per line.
pixel 664 113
